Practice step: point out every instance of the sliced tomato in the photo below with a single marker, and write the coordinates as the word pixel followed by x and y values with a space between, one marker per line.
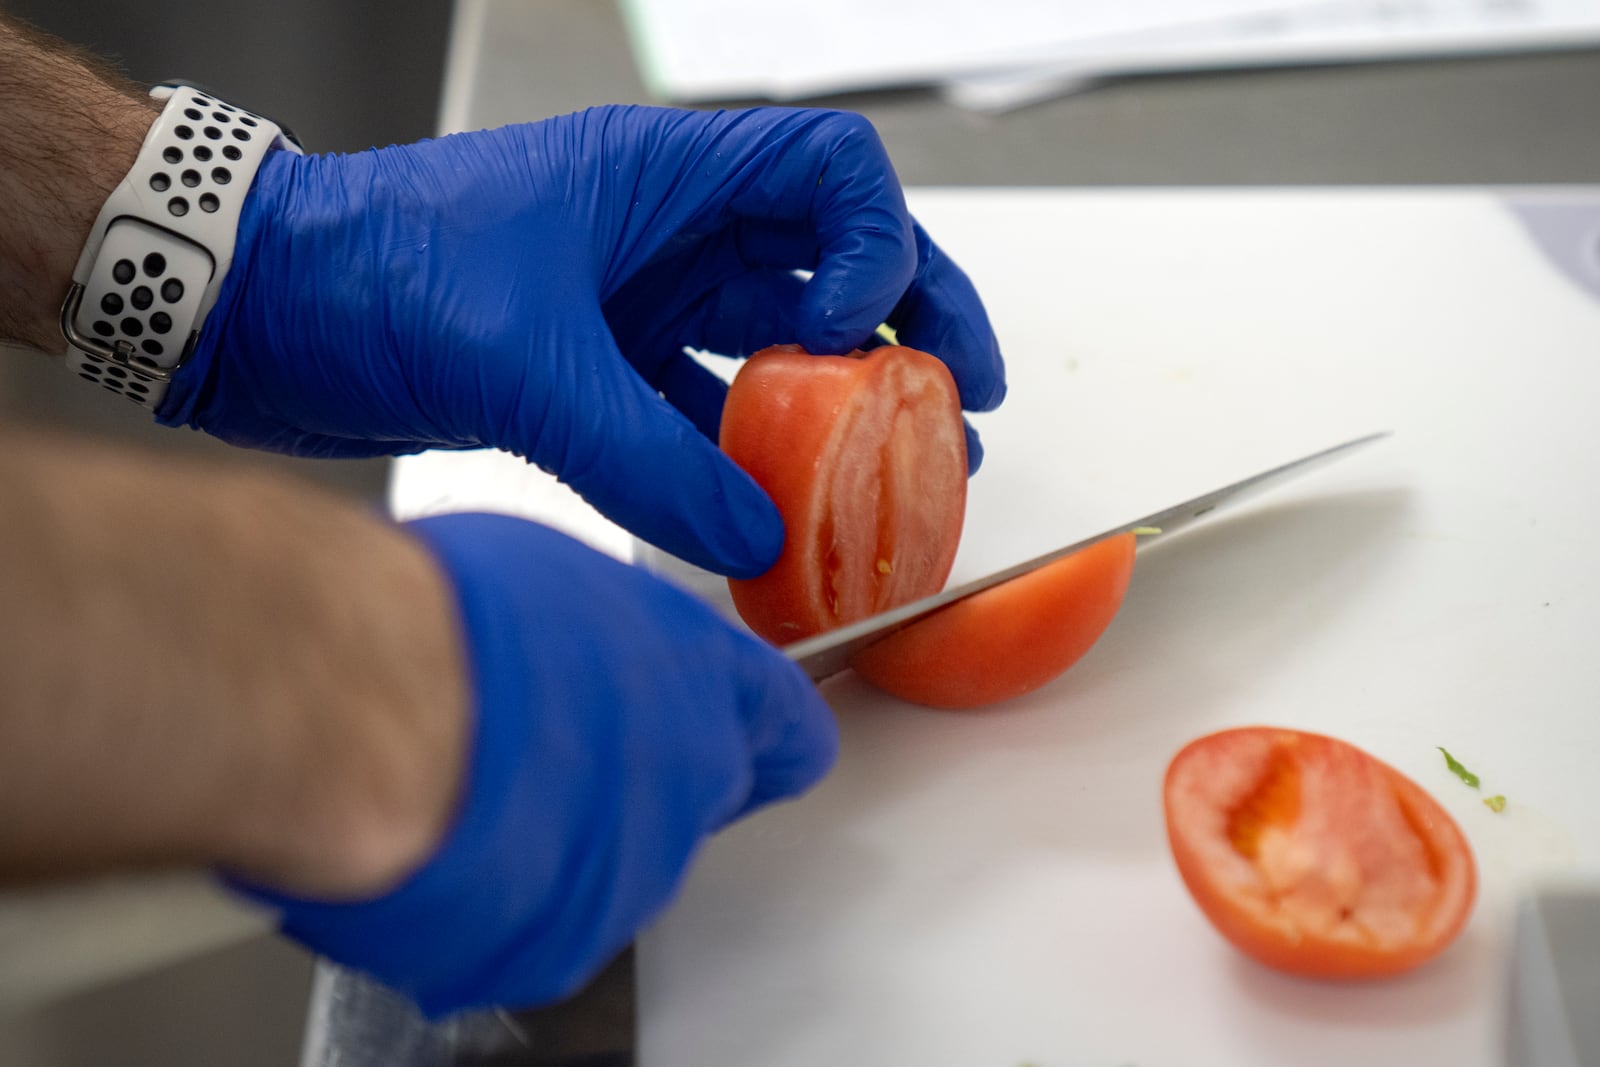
pixel 865 456
pixel 1313 857
pixel 1008 640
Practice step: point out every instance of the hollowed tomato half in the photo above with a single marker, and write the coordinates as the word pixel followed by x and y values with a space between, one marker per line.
pixel 1313 857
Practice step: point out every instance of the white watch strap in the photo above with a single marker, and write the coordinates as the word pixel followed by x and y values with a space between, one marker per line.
pixel 162 244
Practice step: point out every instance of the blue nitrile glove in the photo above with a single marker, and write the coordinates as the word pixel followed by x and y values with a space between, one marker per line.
pixel 619 722
pixel 532 288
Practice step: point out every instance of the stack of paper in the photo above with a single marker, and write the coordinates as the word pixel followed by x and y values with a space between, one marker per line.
pixel 1002 53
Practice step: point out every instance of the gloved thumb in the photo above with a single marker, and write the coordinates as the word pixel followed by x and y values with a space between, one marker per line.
pixel 605 432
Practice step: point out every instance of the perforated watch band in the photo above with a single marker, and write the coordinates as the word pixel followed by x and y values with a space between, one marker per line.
pixel 163 242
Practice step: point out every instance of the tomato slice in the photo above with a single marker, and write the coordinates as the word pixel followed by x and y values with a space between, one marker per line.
pixel 1007 640
pixel 1313 857
pixel 865 456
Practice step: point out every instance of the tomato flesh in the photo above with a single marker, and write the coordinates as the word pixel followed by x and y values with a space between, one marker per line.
pixel 865 457
pixel 1313 857
pixel 1008 640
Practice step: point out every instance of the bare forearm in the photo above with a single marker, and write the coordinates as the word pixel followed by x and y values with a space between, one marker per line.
pixel 68 134
pixel 202 667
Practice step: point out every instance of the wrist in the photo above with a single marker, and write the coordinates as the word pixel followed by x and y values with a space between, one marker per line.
pixel 364 792
pixel 254 675
pixel 71 135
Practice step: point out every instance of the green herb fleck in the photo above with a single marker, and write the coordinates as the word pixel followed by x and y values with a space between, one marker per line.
pixel 1496 803
pixel 887 332
pixel 1459 771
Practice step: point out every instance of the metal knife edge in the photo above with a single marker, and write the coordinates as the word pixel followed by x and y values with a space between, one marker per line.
pixel 827 654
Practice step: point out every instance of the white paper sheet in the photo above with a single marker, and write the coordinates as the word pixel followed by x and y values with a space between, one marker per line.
pixel 1349 31
pixel 711 49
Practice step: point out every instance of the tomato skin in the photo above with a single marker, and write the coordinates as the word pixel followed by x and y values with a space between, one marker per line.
pixel 1008 640
pixel 865 457
pixel 1313 857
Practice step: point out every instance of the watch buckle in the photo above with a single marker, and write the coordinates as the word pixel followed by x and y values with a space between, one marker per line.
pixel 120 353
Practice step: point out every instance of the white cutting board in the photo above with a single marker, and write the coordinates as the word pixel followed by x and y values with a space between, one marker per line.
pixel 994 888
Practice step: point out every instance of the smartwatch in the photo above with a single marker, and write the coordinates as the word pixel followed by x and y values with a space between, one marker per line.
pixel 163 242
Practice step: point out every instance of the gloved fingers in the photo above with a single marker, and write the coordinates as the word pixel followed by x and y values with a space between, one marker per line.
pixel 648 310
pixel 828 173
pixel 874 263
pixel 974 448
pixel 711 721
pixel 727 721
pixel 695 391
pixel 791 244
pixel 793 736
pixel 942 313
pixel 742 315
pixel 673 285
pixel 746 314
pixel 834 175
pixel 730 314
pixel 641 462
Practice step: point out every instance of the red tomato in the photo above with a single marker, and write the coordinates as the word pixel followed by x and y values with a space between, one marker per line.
pixel 1313 857
pixel 866 458
pixel 1008 640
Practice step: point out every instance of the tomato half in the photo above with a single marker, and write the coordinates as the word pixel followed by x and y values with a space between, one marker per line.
pixel 865 456
pixel 1007 640
pixel 1313 857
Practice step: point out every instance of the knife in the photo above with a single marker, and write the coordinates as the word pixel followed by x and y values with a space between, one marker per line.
pixel 829 653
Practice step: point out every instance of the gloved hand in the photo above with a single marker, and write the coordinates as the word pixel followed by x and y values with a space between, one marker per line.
pixel 619 722
pixel 532 288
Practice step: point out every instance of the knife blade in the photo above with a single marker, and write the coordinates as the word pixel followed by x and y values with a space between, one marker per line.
pixel 827 654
